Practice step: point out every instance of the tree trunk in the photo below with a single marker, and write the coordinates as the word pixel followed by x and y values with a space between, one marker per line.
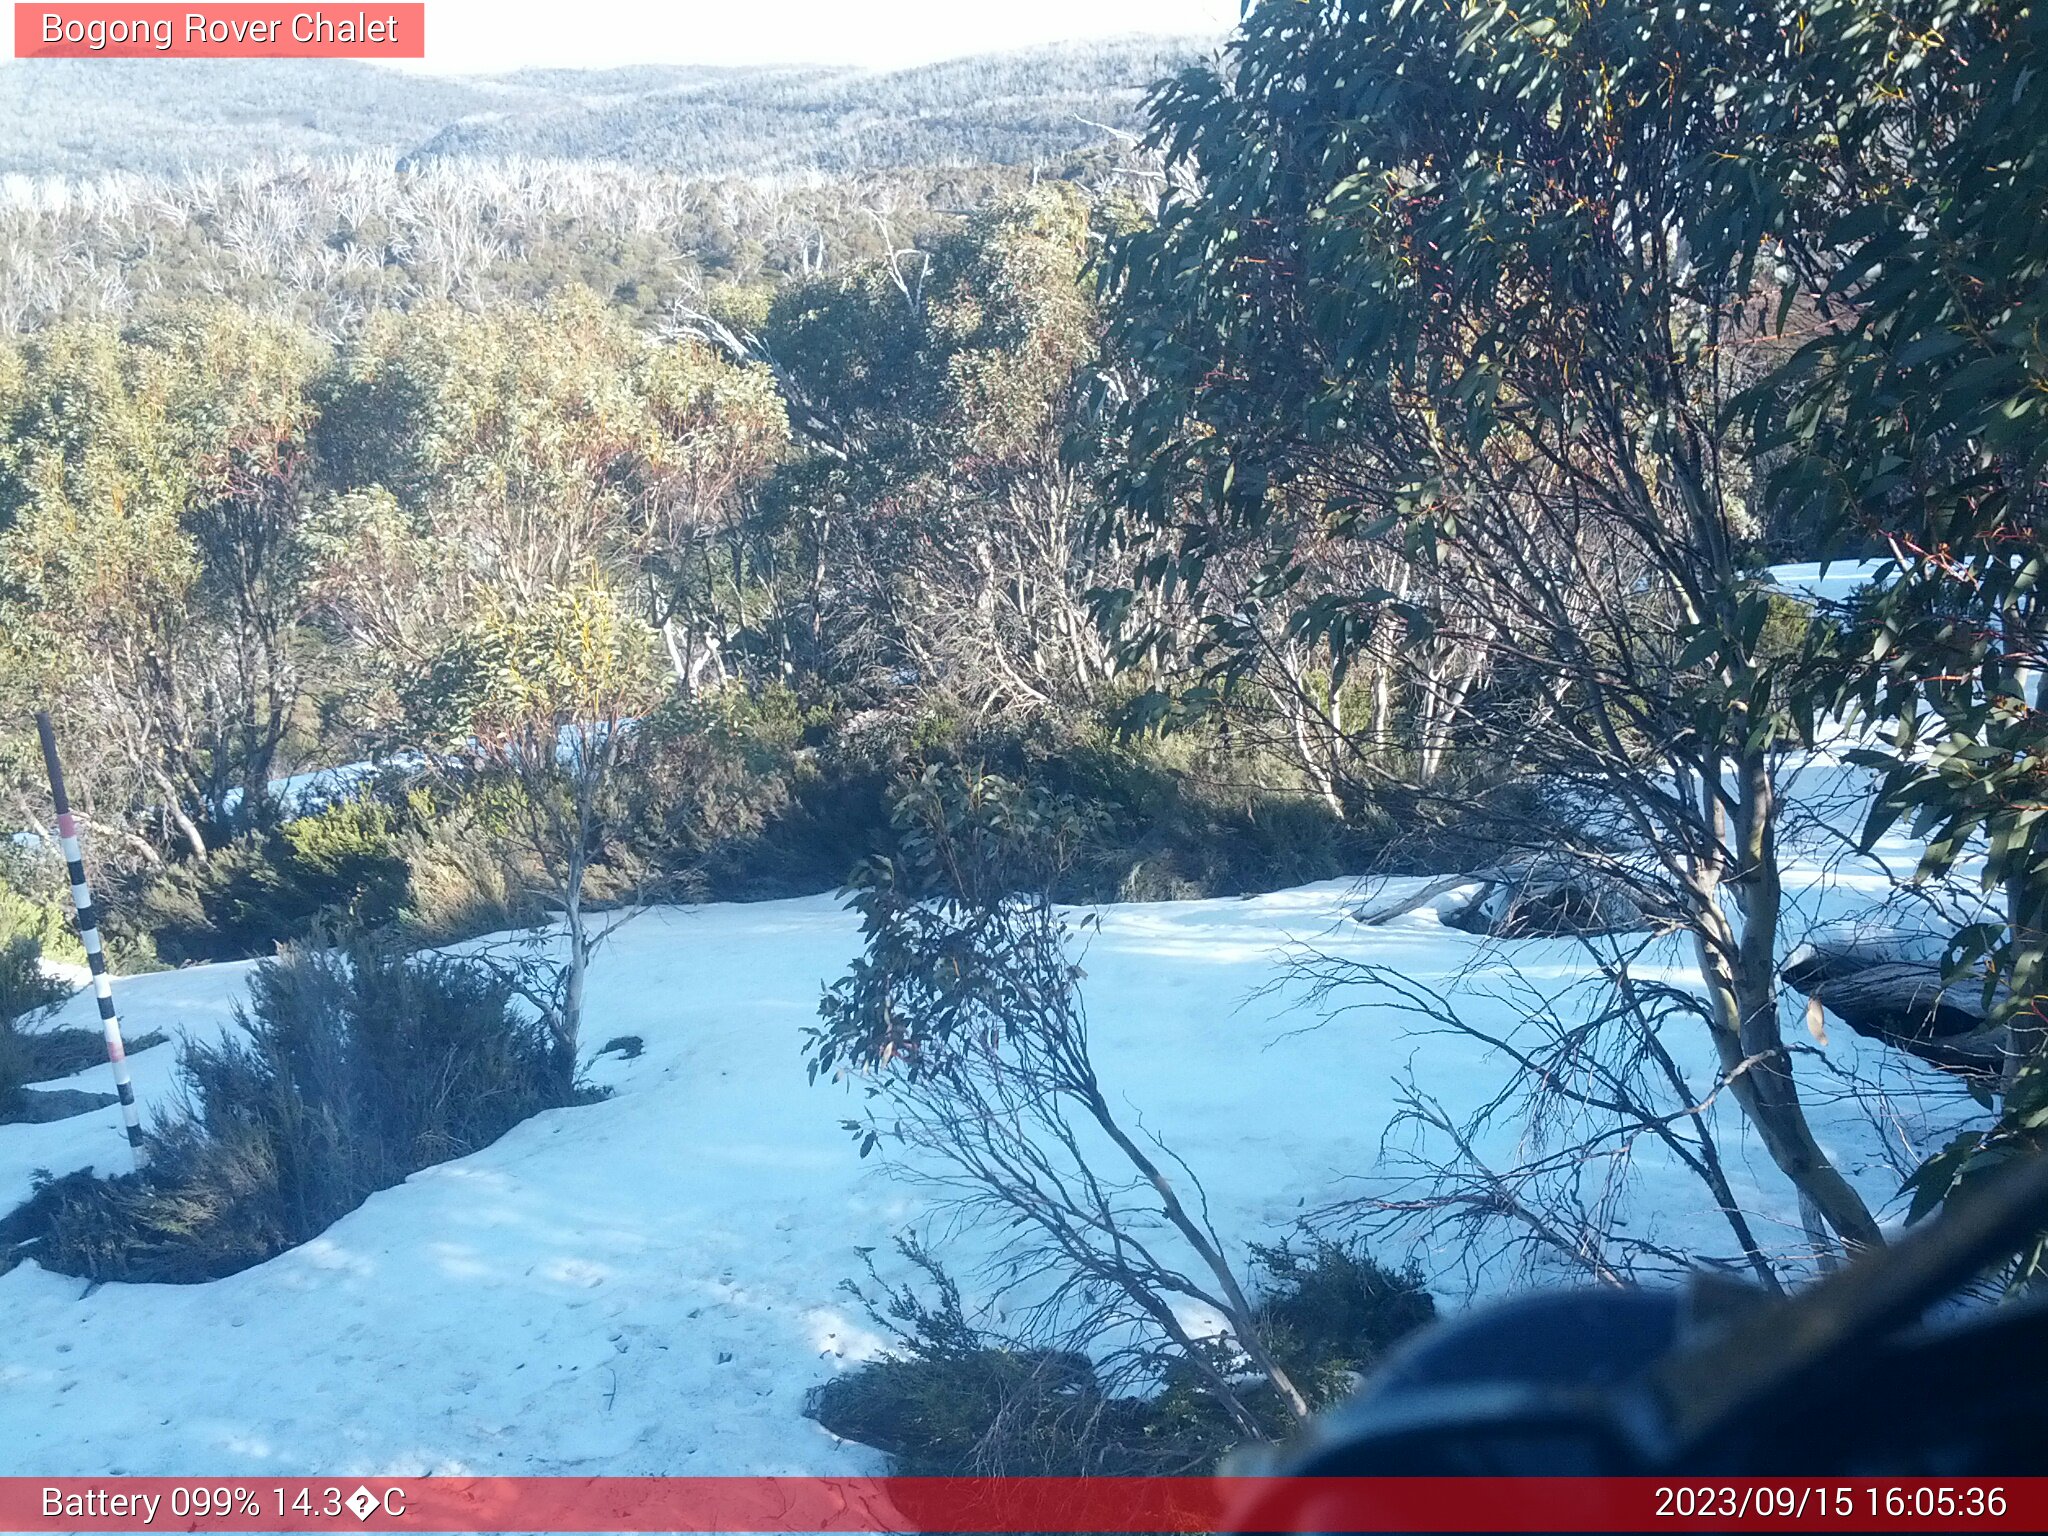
pixel 1382 710
pixel 678 663
pixel 187 828
pixel 2026 907
pixel 1742 983
pixel 569 1026
pixel 1241 1319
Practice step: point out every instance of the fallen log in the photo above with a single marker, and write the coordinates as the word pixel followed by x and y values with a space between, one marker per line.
pixel 1386 909
pixel 1887 984
pixel 40 1106
pixel 1548 898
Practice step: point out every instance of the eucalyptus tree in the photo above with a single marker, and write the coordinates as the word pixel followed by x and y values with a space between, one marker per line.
pixel 156 491
pixel 542 699
pixel 477 458
pixel 1910 423
pixel 1435 315
pixel 942 516
pixel 718 429
pixel 963 1025
pixel 1001 599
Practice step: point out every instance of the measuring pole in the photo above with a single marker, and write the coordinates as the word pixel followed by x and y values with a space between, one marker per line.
pixel 89 936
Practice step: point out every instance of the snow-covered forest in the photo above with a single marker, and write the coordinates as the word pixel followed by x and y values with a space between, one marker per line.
pixel 92 117
pixel 1004 808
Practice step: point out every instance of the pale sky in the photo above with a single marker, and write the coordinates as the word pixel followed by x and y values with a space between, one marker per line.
pixel 468 36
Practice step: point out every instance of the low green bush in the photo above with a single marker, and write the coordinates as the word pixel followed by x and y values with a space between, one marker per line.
pixel 752 796
pixel 998 1412
pixel 345 856
pixel 762 798
pixel 24 992
pixel 25 989
pixel 351 1069
pixel 950 1400
pixel 461 875
pixel 34 902
pixel 341 863
pixel 1192 813
pixel 746 798
pixel 1330 1311
pixel 13 1070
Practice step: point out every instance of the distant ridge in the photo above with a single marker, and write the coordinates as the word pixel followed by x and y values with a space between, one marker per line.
pixel 79 117
pixel 83 117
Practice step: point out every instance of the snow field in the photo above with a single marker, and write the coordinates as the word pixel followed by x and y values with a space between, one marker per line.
pixel 651 1284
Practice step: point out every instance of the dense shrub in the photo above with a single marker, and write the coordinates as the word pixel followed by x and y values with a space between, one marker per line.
pixel 461 878
pixel 433 860
pixel 952 1400
pixel 997 1412
pixel 1330 1312
pixel 30 1051
pixel 13 1069
pixel 759 797
pixel 342 862
pixel 352 1068
pixel 34 904
pixel 40 923
pixel 24 991
pixel 345 854
pixel 751 796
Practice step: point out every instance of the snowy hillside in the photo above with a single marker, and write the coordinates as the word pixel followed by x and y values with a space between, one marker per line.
pixel 650 1284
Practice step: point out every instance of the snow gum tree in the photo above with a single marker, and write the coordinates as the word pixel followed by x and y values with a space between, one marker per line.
pixel 503 442
pixel 963 1021
pixel 718 430
pixel 1902 161
pixel 530 496
pixel 155 561
pixel 515 452
pixel 543 696
pixel 935 524
pixel 1428 345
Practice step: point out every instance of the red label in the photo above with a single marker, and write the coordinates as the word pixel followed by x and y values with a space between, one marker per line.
pixel 880 1506
pixel 233 31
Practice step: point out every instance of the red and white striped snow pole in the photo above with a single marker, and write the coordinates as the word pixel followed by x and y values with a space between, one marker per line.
pixel 89 936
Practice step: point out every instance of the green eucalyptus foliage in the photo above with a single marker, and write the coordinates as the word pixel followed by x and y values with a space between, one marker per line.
pixel 154 492
pixel 343 862
pixel 1442 254
pixel 1913 425
pixel 25 991
pixel 1441 346
pixel 938 390
pixel 940 958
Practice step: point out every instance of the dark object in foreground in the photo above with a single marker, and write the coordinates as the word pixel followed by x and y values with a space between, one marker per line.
pixel 1847 1377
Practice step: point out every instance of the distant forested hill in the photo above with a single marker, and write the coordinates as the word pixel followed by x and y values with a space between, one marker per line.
pixel 83 117
pixel 1007 110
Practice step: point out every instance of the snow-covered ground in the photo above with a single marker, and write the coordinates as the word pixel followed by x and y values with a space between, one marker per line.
pixel 650 1284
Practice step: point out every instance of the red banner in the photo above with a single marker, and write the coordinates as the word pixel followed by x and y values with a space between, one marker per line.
pixel 227 31
pixel 1015 1505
